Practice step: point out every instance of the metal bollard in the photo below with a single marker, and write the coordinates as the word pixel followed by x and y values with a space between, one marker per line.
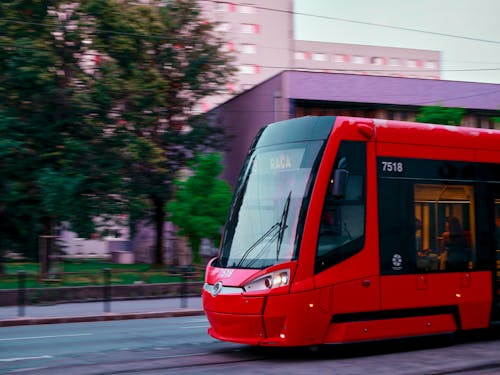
pixel 184 287
pixel 21 293
pixel 106 289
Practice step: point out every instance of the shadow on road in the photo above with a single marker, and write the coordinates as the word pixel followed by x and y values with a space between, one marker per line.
pixel 357 350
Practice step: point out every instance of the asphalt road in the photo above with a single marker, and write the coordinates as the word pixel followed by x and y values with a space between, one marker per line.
pixel 181 346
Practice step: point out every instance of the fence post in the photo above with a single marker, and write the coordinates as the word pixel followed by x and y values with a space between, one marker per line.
pixel 184 270
pixel 107 290
pixel 21 293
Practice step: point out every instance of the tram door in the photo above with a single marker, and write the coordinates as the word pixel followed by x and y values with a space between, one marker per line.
pixel 496 286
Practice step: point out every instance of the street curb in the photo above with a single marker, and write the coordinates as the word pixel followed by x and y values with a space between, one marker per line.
pixel 23 321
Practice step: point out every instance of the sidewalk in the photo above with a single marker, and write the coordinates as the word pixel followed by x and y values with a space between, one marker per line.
pixel 100 311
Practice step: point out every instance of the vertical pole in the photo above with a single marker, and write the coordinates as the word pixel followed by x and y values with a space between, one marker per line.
pixel 21 292
pixel 184 287
pixel 43 255
pixel 107 290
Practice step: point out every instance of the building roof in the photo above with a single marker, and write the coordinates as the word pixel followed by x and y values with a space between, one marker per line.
pixel 338 87
pixel 389 90
pixel 273 100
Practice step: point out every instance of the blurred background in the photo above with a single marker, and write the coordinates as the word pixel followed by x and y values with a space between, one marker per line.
pixel 125 123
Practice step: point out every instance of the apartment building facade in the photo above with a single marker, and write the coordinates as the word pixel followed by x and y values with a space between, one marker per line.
pixel 260 34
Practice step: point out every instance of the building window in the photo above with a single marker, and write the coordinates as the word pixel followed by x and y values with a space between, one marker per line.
pixel 249 69
pixel 411 63
pixel 430 65
pixel 246 9
pixel 222 27
pixel 319 57
pixel 340 58
pixel 377 60
pixel 248 49
pixel 231 88
pixel 227 47
pixel 300 55
pixel 250 28
pixel 358 59
pixel 393 61
pixel 223 6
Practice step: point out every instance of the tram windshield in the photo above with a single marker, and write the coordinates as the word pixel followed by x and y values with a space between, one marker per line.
pixel 262 226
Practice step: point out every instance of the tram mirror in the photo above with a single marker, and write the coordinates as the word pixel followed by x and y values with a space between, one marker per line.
pixel 340 177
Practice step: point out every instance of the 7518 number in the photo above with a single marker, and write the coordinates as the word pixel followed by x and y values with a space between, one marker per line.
pixel 392 166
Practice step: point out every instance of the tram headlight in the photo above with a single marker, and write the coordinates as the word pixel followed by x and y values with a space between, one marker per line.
pixel 269 281
pixel 281 278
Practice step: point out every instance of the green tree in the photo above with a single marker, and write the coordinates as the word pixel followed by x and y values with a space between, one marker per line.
pixel 167 58
pixel 440 115
pixel 201 202
pixel 95 98
pixel 57 161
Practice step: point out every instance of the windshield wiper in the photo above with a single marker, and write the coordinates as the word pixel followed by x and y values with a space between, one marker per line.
pixel 283 226
pixel 280 225
pixel 256 243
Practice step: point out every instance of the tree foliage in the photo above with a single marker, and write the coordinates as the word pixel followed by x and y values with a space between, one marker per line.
pixel 440 115
pixel 56 161
pixel 163 75
pixel 95 97
pixel 201 202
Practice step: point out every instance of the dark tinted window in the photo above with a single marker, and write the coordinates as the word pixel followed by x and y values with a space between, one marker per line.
pixel 396 227
pixel 342 229
pixel 435 215
pixel 296 130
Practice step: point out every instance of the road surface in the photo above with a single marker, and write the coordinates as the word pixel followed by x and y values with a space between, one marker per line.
pixel 182 346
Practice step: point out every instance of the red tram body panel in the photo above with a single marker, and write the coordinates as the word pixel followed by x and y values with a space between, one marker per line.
pixel 345 229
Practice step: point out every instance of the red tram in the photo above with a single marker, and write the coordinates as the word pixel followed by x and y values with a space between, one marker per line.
pixel 349 229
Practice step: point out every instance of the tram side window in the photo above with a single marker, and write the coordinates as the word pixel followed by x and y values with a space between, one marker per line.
pixel 445 233
pixel 497 237
pixel 342 228
pixel 497 225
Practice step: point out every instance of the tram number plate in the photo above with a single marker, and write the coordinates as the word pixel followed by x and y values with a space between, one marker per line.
pixel 392 166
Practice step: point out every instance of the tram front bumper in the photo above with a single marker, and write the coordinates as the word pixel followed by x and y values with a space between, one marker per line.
pixel 235 318
pixel 264 320
pixel 243 329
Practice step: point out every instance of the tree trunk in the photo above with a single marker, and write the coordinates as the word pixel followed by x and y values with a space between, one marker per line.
pixel 45 246
pixel 159 222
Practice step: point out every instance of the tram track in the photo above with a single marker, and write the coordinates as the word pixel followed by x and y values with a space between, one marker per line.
pixel 201 367
pixel 195 361
pixel 250 361
pixel 159 364
pixel 484 369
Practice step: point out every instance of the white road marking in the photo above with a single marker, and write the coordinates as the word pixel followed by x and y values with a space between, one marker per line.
pixel 184 355
pixel 26 369
pixel 188 327
pixel 24 358
pixel 45 337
